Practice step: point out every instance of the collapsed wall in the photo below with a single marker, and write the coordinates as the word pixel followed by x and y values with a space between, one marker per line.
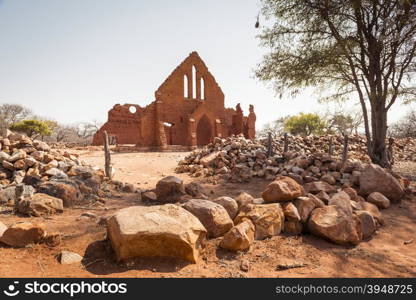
pixel 189 111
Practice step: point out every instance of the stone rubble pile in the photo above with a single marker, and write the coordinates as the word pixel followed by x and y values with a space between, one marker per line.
pixel 342 206
pixel 36 180
pixel 238 160
pixel 404 149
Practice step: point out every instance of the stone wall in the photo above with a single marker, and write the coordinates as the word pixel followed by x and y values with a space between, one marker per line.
pixel 188 110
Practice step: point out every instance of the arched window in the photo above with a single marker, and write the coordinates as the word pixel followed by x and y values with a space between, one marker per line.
pixel 193 82
pixel 202 89
pixel 185 86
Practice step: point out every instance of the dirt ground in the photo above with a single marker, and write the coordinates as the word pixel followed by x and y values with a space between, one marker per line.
pixel 390 253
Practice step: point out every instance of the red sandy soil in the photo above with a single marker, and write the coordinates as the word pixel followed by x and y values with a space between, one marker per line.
pixel 390 253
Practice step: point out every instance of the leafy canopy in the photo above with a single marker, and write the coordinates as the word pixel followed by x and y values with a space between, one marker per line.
pixel 305 124
pixel 32 128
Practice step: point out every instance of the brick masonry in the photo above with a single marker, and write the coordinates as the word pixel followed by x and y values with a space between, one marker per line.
pixel 188 110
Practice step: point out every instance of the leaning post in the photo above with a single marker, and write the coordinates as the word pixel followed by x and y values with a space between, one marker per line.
pixel 286 143
pixel 107 155
pixel 331 146
pixel 269 145
pixel 345 151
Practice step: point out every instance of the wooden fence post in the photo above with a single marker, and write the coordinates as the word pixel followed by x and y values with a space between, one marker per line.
pixel 286 143
pixel 107 155
pixel 331 146
pixel 390 152
pixel 345 150
pixel 269 145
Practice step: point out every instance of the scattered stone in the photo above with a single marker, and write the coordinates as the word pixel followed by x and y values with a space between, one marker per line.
pixel 170 189
pixel 367 223
pixel 40 205
pixel 245 265
pixel 23 234
pixel 229 204
pixel 52 239
pixel 140 231
pixel 293 227
pixel 291 212
pixel 129 188
pixel 268 219
pixel 373 210
pixel 66 190
pixel 319 186
pixel 67 258
pixel 244 199
pixel 149 196
pixel 2 229
pixel 376 179
pixel 213 216
pixel 331 223
pixel 281 190
pixel 323 196
pixel 343 201
pixel 195 190
pixel 378 200
pixel 304 206
pixel 240 237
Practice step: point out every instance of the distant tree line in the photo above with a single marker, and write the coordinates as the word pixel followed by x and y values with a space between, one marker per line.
pixel 21 119
pixel 339 122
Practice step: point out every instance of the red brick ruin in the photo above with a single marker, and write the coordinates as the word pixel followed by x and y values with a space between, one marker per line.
pixel 188 111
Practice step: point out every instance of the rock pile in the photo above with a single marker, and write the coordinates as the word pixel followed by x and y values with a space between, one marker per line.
pixel 404 149
pixel 342 212
pixel 239 159
pixel 36 180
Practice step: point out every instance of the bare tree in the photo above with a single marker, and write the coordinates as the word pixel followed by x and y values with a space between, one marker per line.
pixel 12 113
pixel 364 47
pixel 406 127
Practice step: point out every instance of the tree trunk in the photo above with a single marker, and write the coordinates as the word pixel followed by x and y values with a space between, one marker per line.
pixel 378 149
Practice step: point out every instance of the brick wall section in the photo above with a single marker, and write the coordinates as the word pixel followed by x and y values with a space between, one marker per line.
pixel 173 119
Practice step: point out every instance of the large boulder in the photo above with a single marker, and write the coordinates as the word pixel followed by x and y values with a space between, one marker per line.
pixel 240 237
pixel 367 224
pixel 305 206
pixel 229 204
pixel 170 189
pixel 2 228
pixel 161 230
pixel 213 216
pixel 379 200
pixel 282 190
pixel 330 222
pixel 268 219
pixel 66 190
pixel 195 190
pixel 372 209
pixel 39 205
pixel 291 212
pixel 343 201
pixel 23 234
pixel 9 194
pixel 376 179
pixel 319 186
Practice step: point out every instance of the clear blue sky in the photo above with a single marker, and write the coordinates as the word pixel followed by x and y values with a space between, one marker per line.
pixel 72 60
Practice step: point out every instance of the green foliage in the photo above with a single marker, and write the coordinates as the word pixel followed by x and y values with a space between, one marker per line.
pixel 351 47
pixel 32 128
pixel 305 124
